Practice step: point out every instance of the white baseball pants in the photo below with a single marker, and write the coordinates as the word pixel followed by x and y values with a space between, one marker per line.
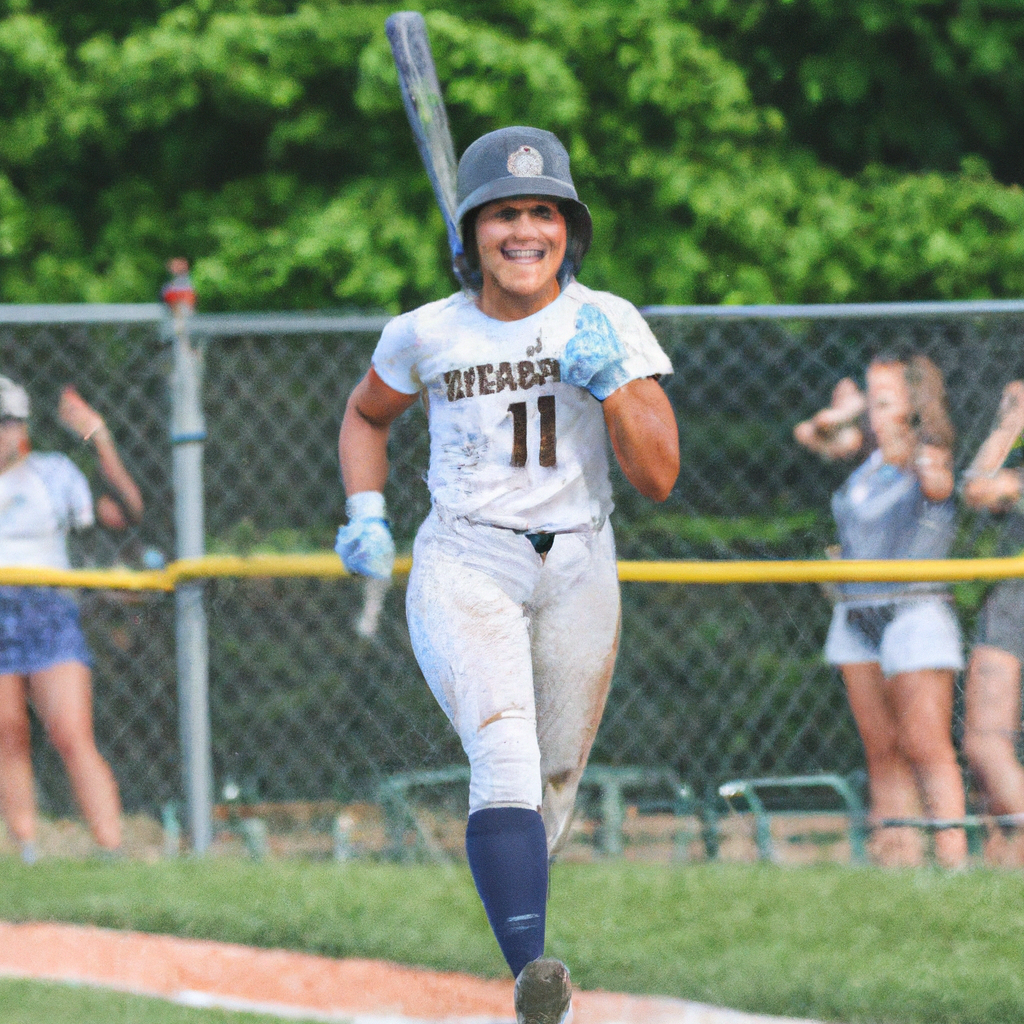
pixel 519 650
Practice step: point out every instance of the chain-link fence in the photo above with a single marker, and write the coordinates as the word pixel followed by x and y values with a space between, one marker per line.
pixel 714 681
pixel 115 358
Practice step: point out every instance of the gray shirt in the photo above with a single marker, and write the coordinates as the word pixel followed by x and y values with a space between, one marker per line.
pixel 881 513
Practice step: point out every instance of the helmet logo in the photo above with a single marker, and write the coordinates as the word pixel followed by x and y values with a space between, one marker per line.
pixel 525 162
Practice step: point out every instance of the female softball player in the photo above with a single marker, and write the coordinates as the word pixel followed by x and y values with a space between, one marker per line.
pixel 513 600
pixel 897 644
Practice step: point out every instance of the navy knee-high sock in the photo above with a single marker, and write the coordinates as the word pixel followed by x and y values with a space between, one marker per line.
pixel 507 850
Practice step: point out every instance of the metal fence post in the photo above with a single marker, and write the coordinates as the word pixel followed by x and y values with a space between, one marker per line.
pixel 188 432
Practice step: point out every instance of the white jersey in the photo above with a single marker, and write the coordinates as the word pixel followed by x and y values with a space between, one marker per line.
pixel 511 445
pixel 41 498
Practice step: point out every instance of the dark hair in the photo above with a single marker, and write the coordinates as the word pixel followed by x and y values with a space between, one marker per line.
pixel 901 350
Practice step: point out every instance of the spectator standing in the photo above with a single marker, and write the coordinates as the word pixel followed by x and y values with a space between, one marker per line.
pixel 44 658
pixel 897 645
pixel 992 699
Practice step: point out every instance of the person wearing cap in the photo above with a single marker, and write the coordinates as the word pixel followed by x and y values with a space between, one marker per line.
pixel 43 653
pixel 513 600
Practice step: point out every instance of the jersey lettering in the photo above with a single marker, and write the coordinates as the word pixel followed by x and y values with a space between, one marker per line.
pixel 546 408
pixel 453 378
pixel 487 380
pixel 505 378
pixel 518 411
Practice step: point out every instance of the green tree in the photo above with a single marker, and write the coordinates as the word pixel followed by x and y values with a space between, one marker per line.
pixel 914 84
pixel 267 142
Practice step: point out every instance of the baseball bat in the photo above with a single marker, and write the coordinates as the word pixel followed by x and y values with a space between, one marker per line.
pixel 424 106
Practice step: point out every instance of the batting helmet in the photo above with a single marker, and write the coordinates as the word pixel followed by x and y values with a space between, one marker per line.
pixel 513 162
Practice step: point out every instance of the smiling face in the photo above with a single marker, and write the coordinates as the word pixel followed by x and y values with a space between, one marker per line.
pixel 889 411
pixel 521 245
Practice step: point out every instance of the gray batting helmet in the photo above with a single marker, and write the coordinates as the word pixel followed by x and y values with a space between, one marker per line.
pixel 520 161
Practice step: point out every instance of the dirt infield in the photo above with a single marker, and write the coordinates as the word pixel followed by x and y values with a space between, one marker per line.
pixel 300 986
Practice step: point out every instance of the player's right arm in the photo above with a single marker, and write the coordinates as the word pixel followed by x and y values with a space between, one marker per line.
pixel 364 544
pixel 363 440
pixel 986 484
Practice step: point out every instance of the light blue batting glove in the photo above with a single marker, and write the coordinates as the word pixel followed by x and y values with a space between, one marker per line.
pixel 364 544
pixel 595 357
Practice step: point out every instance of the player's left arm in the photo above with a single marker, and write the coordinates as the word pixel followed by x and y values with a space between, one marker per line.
pixel 644 435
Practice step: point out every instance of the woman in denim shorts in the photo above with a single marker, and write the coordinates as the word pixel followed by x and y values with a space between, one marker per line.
pixel 43 654
pixel 992 699
pixel 897 645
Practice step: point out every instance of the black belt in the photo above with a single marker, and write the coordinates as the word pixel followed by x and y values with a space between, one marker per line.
pixel 870 620
pixel 541 542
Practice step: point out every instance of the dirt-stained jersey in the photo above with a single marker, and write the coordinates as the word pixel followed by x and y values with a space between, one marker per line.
pixel 511 444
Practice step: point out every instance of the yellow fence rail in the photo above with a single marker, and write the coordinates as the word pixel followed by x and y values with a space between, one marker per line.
pixel 327 565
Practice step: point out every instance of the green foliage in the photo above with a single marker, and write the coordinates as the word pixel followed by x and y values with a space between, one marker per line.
pixel 689 536
pixel 266 141
pixel 917 84
pixel 245 539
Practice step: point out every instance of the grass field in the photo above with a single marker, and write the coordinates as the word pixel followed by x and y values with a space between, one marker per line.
pixel 24 1002
pixel 830 943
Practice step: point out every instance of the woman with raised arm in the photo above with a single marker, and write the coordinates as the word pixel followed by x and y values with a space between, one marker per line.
pixel 44 658
pixel 992 699
pixel 897 645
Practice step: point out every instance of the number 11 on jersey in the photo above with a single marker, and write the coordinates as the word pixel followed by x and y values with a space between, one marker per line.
pixel 546 408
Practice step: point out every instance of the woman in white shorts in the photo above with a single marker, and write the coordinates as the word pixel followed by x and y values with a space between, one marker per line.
pixel 897 645
pixel 992 694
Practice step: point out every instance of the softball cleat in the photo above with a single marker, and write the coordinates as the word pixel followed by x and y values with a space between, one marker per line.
pixel 543 993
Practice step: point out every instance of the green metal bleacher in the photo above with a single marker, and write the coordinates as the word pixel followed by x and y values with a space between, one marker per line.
pixel 764 798
pixel 617 787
